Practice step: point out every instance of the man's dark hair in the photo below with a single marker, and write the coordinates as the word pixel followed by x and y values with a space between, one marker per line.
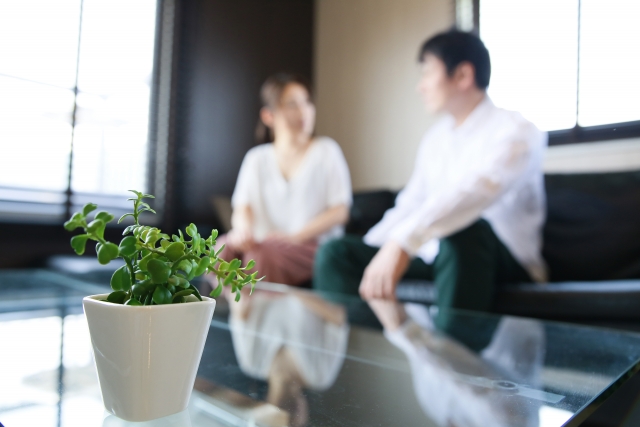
pixel 455 47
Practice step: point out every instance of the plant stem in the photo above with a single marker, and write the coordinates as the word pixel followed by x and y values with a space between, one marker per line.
pixel 135 210
pixel 130 266
pixel 152 249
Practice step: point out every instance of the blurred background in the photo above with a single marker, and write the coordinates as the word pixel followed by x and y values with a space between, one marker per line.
pixel 98 97
pixel 101 96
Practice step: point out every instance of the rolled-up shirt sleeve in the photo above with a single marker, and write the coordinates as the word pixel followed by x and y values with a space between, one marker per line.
pixel 457 206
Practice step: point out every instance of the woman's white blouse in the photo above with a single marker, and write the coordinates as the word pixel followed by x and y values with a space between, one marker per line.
pixel 321 181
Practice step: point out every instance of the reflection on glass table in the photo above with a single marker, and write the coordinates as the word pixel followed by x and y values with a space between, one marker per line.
pixel 291 340
pixel 456 386
pixel 286 357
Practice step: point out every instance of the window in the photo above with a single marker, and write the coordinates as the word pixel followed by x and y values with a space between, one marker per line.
pixel 75 79
pixel 569 66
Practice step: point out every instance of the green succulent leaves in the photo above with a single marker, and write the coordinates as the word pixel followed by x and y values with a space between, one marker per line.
pixel 162 295
pixel 159 271
pixel 121 279
pixel 88 208
pixel 117 297
pixel 79 242
pixel 76 221
pixel 143 288
pixel 107 252
pixel 128 246
pixel 217 291
pixel 158 268
pixel 174 251
pixel 202 266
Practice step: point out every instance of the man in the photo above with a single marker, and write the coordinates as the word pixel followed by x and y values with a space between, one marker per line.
pixel 470 217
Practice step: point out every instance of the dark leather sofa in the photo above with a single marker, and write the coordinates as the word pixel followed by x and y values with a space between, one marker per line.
pixel 591 245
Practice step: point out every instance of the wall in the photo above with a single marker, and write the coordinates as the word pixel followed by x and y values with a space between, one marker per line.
pixel 227 49
pixel 366 72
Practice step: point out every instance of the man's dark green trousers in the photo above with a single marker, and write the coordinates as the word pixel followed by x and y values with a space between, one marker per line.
pixel 470 266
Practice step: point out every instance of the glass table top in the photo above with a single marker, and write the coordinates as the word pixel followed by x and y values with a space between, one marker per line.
pixel 286 357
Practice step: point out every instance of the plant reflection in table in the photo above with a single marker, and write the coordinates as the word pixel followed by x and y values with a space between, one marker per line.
pixel 293 341
pixel 457 387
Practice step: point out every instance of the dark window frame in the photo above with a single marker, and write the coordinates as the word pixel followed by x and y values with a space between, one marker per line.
pixel 606 132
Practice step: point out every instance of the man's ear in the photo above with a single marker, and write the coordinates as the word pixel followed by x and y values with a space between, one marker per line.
pixel 266 116
pixel 465 76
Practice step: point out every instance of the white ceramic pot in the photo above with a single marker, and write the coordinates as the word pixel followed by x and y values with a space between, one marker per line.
pixel 147 356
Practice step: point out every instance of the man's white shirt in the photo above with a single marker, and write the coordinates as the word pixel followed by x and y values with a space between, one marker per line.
pixel 488 167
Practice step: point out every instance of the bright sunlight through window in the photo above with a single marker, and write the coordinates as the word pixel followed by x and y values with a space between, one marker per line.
pixel 562 63
pixel 48 47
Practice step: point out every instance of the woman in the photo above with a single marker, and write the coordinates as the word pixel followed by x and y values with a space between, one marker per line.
pixel 293 190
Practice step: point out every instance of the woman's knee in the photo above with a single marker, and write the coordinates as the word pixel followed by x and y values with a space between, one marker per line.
pixel 258 252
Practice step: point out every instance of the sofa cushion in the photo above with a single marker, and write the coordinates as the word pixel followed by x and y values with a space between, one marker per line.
pixel 367 210
pixel 592 230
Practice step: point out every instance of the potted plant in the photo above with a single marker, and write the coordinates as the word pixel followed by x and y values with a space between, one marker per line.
pixel 149 332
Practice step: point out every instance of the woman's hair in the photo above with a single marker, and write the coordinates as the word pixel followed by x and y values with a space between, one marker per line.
pixel 270 94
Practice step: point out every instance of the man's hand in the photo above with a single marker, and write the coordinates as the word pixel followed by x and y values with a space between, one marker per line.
pixel 384 271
